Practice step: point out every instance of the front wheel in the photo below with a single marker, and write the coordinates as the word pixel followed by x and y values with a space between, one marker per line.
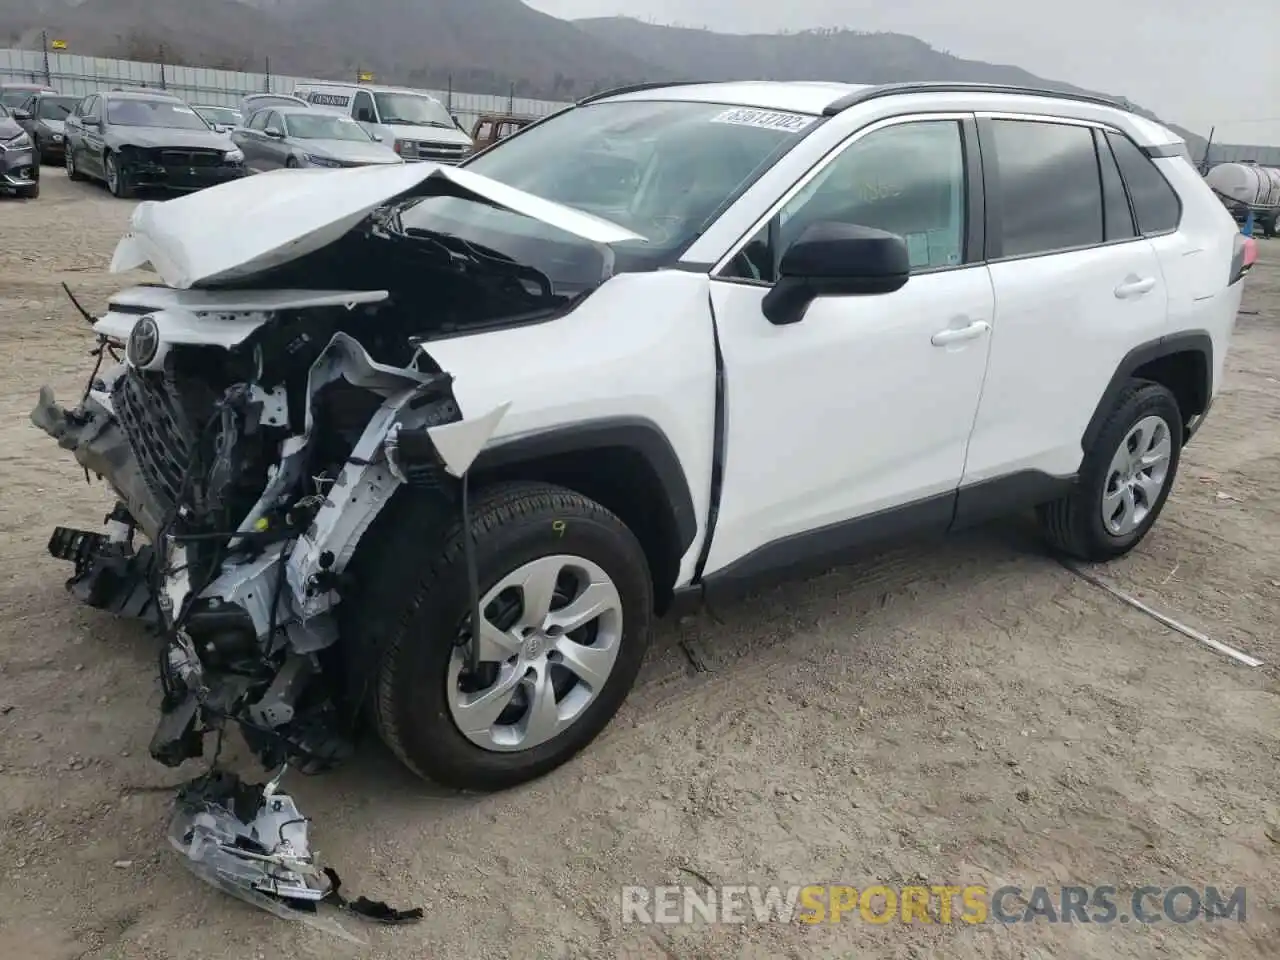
pixel 1124 480
pixel 70 159
pixel 117 178
pixel 566 607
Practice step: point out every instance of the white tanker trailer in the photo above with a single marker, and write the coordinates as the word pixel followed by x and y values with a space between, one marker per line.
pixel 1249 186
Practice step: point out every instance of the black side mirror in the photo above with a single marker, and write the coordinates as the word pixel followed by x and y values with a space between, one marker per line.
pixel 834 260
pixel 20 114
pixel 275 133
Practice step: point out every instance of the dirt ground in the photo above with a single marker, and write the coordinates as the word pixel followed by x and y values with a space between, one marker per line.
pixel 957 714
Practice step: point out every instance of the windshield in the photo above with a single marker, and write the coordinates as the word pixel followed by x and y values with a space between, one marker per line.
pixel 412 109
pixel 220 115
pixel 661 169
pixel 16 98
pixel 55 108
pixel 324 126
pixel 153 113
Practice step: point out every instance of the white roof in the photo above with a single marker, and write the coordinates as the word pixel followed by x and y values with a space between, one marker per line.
pixel 796 96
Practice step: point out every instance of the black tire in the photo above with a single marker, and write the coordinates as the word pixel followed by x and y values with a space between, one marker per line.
pixel 29 193
pixel 291 163
pixel 411 601
pixel 121 189
pixel 1073 525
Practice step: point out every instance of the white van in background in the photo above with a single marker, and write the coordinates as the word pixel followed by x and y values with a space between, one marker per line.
pixel 415 123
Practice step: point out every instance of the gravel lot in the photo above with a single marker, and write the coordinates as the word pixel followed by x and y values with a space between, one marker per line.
pixel 958 714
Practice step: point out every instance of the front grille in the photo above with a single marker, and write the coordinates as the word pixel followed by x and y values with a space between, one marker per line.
pixel 189 158
pixel 442 152
pixel 159 432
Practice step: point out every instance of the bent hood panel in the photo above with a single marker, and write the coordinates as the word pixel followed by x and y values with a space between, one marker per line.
pixel 247 226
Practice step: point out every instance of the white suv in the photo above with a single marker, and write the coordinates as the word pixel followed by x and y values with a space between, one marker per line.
pixel 664 343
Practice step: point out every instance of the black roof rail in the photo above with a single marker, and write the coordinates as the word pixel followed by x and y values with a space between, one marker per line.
pixel 639 88
pixel 945 86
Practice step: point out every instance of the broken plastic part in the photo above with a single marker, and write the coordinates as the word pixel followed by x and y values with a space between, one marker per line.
pixel 252 842
pixel 459 443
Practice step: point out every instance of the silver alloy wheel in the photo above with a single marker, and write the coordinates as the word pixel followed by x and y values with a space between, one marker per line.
pixel 553 658
pixel 1137 475
pixel 113 175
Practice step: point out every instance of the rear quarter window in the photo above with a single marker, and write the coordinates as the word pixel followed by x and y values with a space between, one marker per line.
pixel 1155 202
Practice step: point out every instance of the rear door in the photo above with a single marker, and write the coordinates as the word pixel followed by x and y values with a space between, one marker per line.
pixel 1076 287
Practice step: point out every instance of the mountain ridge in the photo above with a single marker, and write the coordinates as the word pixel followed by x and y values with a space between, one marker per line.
pixel 482 46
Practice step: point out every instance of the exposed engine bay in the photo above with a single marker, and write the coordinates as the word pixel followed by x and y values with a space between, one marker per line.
pixel 246 475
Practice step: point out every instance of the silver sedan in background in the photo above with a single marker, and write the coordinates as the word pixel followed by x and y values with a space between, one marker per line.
pixel 279 137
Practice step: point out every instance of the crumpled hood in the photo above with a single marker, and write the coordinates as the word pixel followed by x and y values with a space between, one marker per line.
pixel 247 226
pixel 147 137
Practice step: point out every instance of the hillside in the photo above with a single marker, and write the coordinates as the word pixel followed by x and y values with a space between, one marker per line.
pixel 481 46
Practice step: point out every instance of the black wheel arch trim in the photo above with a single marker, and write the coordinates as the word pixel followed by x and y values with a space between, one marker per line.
pixel 1193 341
pixel 638 434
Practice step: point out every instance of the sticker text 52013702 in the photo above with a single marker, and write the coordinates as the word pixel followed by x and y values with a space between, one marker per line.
pixel 768 119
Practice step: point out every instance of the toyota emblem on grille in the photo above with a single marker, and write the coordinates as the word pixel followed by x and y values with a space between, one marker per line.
pixel 144 342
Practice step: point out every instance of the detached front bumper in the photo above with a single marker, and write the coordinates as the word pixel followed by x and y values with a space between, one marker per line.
pixel 145 173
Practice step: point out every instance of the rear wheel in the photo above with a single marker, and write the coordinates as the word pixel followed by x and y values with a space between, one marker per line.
pixel 1124 480
pixel 292 163
pixel 566 603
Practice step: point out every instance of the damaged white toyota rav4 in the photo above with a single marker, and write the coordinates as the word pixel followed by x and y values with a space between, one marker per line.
pixel 432 446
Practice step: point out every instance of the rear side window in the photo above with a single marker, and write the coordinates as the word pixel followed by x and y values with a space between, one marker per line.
pixel 1117 218
pixel 1154 201
pixel 1051 192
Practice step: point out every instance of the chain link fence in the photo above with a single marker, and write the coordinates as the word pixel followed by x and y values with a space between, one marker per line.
pixel 77 75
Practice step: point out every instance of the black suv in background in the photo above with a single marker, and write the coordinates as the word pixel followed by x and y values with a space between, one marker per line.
pixel 43 116
pixel 137 140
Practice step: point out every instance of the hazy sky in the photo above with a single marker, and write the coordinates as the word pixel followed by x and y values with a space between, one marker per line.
pixel 1184 59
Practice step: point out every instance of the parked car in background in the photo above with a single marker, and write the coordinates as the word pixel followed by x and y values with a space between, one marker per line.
pixel 281 137
pixel 490 128
pixel 43 115
pixel 13 94
pixel 19 167
pixel 222 119
pixel 256 101
pixel 140 140
pixel 415 124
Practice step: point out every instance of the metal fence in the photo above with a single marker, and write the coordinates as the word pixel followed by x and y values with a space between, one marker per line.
pixel 79 76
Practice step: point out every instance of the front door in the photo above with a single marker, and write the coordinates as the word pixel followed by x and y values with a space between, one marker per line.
pixel 865 405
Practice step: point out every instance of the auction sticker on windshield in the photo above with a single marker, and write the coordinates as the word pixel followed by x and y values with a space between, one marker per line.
pixel 768 119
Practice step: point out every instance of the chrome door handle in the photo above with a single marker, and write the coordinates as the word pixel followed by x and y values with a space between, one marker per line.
pixel 952 335
pixel 1135 287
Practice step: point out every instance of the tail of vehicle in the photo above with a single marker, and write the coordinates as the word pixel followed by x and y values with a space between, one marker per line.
pixel 1243 257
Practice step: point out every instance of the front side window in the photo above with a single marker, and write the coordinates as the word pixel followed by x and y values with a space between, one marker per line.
pixel 663 169
pixel 259 120
pixel 1050 189
pixel 1154 201
pixel 324 126
pixel 411 109
pixel 908 179
pixel 90 107
pixel 171 114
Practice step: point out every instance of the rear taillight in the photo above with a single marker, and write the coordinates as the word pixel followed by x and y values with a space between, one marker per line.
pixel 1243 257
